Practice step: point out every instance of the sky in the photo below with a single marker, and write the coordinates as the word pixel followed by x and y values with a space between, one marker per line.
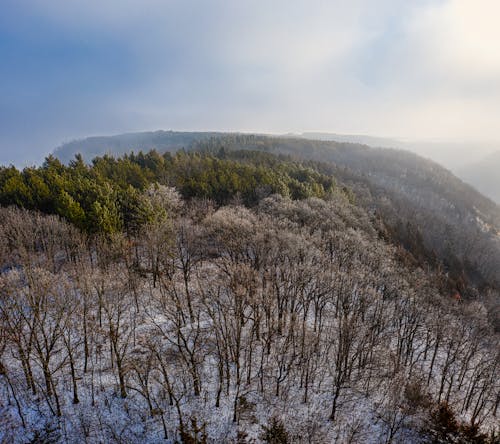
pixel 408 69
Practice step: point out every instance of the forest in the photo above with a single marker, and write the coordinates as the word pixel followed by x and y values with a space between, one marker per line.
pixel 244 290
pixel 105 197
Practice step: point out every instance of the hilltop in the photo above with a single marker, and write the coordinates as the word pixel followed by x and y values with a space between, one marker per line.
pixel 485 175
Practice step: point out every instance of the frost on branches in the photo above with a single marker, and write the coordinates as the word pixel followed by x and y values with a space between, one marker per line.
pixel 292 322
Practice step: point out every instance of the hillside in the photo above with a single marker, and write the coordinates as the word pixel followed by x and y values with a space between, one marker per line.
pixel 417 198
pixel 453 155
pixel 485 176
pixel 480 174
pixel 120 144
pixel 372 141
pixel 251 289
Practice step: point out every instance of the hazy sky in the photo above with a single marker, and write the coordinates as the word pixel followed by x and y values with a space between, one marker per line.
pixel 398 68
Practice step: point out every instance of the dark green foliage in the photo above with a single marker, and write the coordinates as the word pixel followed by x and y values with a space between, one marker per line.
pixel 108 195
pixel 246 175
pixel 274 432
pixel 444 428
pixel 193 433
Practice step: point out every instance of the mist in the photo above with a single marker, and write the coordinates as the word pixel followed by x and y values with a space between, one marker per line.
pixel 417 72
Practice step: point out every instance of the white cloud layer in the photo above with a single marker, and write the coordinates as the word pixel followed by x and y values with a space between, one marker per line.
pixel 413 69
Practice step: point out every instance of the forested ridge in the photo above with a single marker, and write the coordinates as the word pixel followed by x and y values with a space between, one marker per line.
pixel 245 290
pixel 106 195
pixel 121 144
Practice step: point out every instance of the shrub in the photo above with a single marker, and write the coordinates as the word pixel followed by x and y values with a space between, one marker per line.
pixel 275 432
pixel 444 428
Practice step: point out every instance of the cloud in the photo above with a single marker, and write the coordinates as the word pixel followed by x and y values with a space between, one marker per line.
pixel 417 68
pixel 464 36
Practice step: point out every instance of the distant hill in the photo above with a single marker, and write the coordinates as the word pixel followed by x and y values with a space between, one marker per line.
pixel 464 159
pixel 451 154
pixel 485 175
pixel 356 138
pixel 117 145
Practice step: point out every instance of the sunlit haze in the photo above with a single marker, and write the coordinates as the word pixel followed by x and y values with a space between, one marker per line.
pixel 412 70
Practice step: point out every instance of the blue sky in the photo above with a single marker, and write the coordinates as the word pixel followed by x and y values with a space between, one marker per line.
pixel 399 68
